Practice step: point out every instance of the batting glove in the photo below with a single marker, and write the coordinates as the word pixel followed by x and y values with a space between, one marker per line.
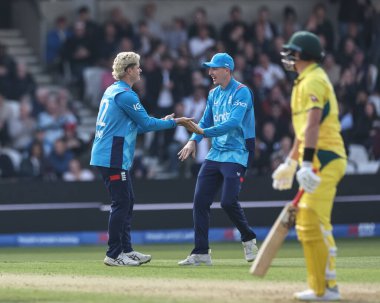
pixel 284 174
pixel 306 178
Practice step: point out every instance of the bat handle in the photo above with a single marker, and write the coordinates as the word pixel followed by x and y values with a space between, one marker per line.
pixel 300 193
pixel 298 197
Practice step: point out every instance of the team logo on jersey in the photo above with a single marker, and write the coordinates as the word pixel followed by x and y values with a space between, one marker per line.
pixel 238 103
pixel 313 98
pixel 221 117
pixel 137 106
pixel 99 134
pixel 123 176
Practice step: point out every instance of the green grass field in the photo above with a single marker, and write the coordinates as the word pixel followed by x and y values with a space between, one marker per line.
pixel 77 274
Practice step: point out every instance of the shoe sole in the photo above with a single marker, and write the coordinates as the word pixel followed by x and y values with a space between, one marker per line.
pixel 196 264
pixel 121 265
pixel 145 261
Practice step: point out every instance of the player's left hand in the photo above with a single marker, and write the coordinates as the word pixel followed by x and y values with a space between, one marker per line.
pixel 187 150
pixel 306 177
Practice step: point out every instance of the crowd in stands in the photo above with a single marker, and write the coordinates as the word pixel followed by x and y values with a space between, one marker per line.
pixel 38 124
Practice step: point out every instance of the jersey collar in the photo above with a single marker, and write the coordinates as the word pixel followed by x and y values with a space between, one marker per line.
pixel 229 85
pixel 121 83
pixel 307 71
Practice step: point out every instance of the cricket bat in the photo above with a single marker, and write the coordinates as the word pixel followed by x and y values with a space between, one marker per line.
pixel 275 238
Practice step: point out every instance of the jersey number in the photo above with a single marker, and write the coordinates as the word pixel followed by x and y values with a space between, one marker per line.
pixel 102 112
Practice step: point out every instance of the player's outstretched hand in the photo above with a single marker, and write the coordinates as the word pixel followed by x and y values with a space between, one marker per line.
pixel 190 125
pixel 168 117
pixel 187 150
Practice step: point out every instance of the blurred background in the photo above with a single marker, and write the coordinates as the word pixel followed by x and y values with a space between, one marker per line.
pixel 56 61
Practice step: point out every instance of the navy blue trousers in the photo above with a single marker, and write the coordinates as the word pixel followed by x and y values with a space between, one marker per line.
pixel 213 176
pixel 119 187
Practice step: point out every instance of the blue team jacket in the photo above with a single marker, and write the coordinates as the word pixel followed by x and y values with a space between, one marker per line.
pixel 230 120
pixel 120 118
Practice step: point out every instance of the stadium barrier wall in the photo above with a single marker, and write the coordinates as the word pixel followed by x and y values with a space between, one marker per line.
pixel 59 213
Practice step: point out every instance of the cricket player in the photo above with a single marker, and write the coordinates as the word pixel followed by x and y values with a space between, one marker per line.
pixel 317 145
pixel 121 117
pixel 229 120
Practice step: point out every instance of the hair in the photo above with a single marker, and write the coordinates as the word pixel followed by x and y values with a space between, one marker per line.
pixel 123 61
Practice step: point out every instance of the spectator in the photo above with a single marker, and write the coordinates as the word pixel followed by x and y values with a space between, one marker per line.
pixel 7 167
pixel 73 143
pixel 124 27
pixel 51 120
pixel 91 27
pixel 33 165
pixel 143 39
pixel 79 53
pixel 108 44
pixel 346 89
pixel 165 106
pixel 364 124
pixel 59 159
pixel 319 24
pixel 55 39
pixel 331 68
pixel 347 52
pixel 280 155
pixel 149 16
pixel 250 54
pixel 268 143
pixel 22 127
pixel 7 70
pixel 176 36
pixel 235 31
pixel 77 173
pixel 346 123
pixel 261 42
pixel 200 21
pixel 289 24
pixel 6 115
pixel 272 73
pixel 200 44
pixel 264 20
pixel 182 79
pixel 242 71
pixel 353 33
pixel 351 11
pixel 22 83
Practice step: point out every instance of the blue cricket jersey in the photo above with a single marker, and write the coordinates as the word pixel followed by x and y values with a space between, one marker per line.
pixel 230 120
pixel 121 117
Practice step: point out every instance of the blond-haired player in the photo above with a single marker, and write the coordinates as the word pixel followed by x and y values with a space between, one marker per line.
pixel 317 145
pixel 121 117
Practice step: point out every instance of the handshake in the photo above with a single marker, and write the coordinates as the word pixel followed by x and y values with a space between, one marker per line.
pixel 188 123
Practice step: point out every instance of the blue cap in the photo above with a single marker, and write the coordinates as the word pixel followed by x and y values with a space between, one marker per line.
pixel 220 60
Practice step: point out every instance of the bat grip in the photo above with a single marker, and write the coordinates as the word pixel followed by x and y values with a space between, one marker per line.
pixel 298 197
pixel 300 193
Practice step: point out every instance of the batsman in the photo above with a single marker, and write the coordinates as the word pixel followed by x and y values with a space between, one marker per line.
pixel 318 145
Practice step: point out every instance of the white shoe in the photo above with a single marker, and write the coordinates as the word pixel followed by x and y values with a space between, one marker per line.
pixel 331 294
pixel 250 250
pixel 137 256
pixel 120 261
pixel 196 259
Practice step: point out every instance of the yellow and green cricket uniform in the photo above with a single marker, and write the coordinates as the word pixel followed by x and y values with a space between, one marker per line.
pixel 313 89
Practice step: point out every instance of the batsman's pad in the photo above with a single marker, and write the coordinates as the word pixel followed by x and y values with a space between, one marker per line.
pixel 310 234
